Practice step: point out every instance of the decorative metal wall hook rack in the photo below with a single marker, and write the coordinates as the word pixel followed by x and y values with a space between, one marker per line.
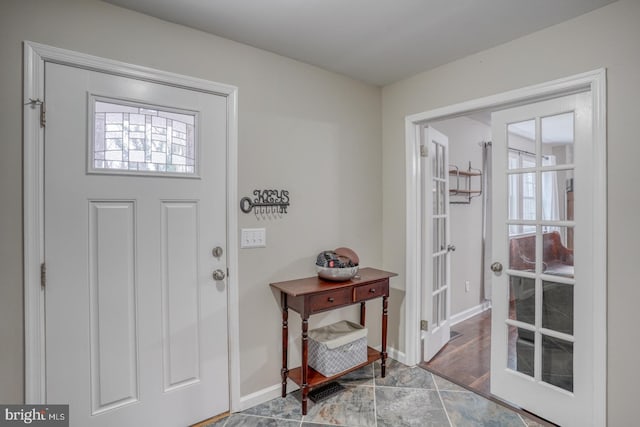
pixel 266 202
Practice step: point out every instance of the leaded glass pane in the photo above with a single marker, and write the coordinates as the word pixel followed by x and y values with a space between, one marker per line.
pixel 138 138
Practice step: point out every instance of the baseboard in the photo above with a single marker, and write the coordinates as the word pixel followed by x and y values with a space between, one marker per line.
pixel 271 392
pixel 265 395
pixel 394 354
pixel 470 312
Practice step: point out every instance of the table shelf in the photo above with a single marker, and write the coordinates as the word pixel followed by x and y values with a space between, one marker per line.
pixel 315 378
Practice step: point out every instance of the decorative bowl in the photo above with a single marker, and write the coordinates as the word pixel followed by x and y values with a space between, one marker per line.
pixel 336 274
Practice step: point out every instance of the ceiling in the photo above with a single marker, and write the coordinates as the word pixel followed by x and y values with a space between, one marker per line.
pixel 376 41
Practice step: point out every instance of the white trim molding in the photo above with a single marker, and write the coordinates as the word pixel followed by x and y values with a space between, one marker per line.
pixel 266 394
pixel 35 57
pixel 470 312
pixel 595 83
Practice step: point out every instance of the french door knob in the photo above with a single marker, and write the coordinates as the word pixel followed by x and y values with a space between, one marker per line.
pixel 451 248
pixel 219 275
pixel 496 267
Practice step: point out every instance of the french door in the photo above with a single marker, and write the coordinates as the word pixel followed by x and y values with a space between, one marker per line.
pixel 542 342
pixel 436 247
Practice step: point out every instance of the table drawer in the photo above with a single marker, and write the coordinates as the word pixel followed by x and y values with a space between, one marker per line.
pixel 328 300
pixel 373 290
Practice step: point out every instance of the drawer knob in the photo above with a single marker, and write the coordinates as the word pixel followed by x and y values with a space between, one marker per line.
pixel 372 290
pixel 330 299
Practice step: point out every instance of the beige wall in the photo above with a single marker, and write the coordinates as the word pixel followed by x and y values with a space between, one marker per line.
pixel 607 37
pixel 303 129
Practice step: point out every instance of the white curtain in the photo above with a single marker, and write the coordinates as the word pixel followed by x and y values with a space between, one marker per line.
pixel 550 193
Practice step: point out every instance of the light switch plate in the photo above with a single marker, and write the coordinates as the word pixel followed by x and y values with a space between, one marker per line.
pixel 253 238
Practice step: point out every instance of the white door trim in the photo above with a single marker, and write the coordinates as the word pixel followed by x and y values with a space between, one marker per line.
pixel 595 81
pixel 35 57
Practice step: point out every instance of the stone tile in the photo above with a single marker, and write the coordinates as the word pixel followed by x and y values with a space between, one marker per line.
pixel 409 407
pixel 399 375
pixel 470 409
pixel 241 420
pixel 363 376
pixel 317 425
pixel 288 408
pixel 352 407
pixel 447 385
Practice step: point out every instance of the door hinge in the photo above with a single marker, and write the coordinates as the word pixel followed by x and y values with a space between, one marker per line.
pixel 43 110
pixel 43 274
pixel 424 325
pixel 424 152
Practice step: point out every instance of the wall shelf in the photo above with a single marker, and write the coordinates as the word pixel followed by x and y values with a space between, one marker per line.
pixel 463 185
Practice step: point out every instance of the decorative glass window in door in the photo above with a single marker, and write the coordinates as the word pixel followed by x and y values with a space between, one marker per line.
pixel 142 139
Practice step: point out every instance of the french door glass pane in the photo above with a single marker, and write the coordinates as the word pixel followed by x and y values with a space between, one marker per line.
pixel 522 248
pixel 522 299
pixel 438 165
pixel 557 362
pixel 443 307
pixel 521 350
pixel 442 167
pixel 557 134
pixel 557 195
pixel 439 229
pixel 557 251
pixel 521 140
pixel 439 200
pixel 522 196
pixel 557 307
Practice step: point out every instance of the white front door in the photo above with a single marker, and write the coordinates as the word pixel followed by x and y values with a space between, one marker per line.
pixel 135 202
pixel 436 247
pixel 542 321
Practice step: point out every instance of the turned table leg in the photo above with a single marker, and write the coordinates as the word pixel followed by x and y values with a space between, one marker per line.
pixel 383 353
pixel 305 367
pixel 285 342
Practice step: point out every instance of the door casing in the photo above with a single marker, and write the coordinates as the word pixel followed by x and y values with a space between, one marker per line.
pixel 592 81
pixel 35 57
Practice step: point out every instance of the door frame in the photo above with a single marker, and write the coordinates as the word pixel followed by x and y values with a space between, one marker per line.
pixel 35 57
pixel 593 81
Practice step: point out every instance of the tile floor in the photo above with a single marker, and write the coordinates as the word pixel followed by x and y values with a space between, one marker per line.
pixel 405 397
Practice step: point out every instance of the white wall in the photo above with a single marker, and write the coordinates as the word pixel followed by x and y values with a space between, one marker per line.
pixel 466 219
pixel 607 37
pixel 303 129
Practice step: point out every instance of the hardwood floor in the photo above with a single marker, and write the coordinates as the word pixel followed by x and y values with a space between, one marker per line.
pixel 466 359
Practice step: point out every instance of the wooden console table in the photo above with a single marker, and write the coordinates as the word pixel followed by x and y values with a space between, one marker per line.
pixel 314 295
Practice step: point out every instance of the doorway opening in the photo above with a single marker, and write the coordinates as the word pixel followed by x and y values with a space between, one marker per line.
pixel 533 389
pixel 466 358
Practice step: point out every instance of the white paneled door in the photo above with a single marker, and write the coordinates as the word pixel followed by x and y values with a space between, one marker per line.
pixel 542 346
pixel 436 243
pixel 135 203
